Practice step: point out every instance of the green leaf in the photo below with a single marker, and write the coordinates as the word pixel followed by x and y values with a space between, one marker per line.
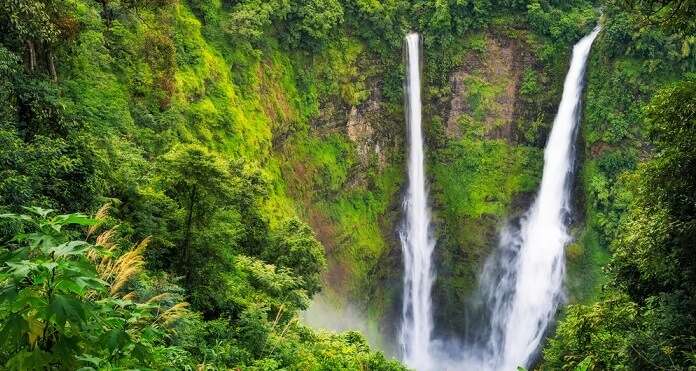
pixel 79 219
pixel 66 309
pixel 96 361
pixel 13 328
pixel 114 339
pixel 37 239
pixel 65 348
pixel 91 282
pixel 38 211
pixel 29 297
pixel 69 285
pixel 29 360
pixel 49 265
pixel 16 217
pixel 584 365
pixel 8 294
pixel 67 249
pixel 21 269
pixel 78 285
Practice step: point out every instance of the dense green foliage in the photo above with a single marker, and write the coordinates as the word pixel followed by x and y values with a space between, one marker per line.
pixel 646 320
pixel 181 115
pixel 639 183
pixel 69 303
pixel 256 147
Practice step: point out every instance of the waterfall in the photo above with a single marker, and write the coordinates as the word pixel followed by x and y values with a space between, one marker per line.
pixel 522 284
pixel 416 240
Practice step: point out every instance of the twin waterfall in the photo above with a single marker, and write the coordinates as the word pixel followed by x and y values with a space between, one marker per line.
pixel 522 283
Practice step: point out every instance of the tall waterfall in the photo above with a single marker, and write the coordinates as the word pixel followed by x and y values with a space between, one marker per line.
pixel 416 240
pixel 522 283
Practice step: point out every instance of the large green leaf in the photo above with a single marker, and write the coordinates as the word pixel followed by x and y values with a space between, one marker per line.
pixel 30 297
pixel 29 360
pixel 8 294
pixel 13 328
pixel 114 339
pixel 78 285
pixel 79 219
pixel 69 285
pixel 21 269
pixel 37 240
pixel 49 265
pixel 93 360
pixel 64 309
pixel 67 249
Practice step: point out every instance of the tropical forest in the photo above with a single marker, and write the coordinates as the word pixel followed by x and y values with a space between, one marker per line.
pixel 372 185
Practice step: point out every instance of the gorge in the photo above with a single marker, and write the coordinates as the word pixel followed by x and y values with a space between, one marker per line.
pixel 328 185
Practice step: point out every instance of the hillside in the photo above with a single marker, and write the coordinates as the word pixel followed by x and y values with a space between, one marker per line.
pixel 247 156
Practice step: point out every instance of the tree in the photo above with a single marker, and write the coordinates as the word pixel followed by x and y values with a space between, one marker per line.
pixel 199 182
pixel 311 22
pixel 295 247
pixel 208 211
pixel 251 19
pixel 676 15
pixel 655 253
pixel 32 23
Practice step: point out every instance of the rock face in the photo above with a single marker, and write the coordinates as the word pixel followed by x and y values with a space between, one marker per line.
pixel 487 85
pixel 355 213
pixel 375 131
pixel 360 128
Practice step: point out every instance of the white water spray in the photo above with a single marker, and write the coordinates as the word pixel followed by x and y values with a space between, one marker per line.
pixel 416 241
pixel 522 284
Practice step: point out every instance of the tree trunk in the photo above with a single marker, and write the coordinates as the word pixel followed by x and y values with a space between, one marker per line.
pixel 32 55
pixel 187 237
pixel 52 66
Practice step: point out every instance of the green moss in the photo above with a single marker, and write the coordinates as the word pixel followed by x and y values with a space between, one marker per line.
pixel 479 177
pixel 321 170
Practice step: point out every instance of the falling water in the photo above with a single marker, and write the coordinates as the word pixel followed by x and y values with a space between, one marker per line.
pixel 416 241
pixel 522 283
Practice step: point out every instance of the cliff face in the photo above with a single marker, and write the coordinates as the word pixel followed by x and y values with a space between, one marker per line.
pixel 484 166
pixel 499 64
pixel 485 143
pixel 345 171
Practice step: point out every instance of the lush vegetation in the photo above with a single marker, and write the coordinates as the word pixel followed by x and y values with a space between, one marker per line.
pixel 75 294
pixel 186 118
pixel 638 179
pixel 250 154
pixel 645 318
